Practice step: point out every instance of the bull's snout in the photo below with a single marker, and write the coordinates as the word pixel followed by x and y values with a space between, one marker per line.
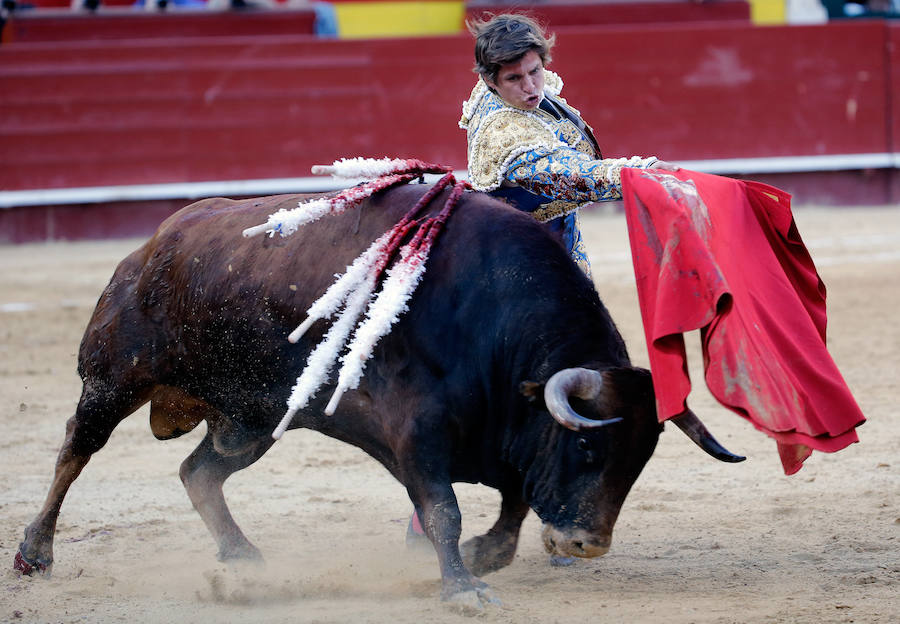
pixel 574 542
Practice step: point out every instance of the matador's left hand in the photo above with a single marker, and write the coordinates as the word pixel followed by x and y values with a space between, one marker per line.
pixel 665 166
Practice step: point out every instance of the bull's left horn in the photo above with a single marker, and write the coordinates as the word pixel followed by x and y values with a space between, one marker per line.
pixel 696 431
pixel 578 382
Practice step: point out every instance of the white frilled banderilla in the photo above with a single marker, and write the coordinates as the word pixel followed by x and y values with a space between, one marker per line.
pixel 354 291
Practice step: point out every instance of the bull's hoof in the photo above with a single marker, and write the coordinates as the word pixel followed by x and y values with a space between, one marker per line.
pixel 483 555
pixel 28 568
pixel 247 553
pixel 472 601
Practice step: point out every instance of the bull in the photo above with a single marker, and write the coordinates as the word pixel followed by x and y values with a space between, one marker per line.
pixel 507 370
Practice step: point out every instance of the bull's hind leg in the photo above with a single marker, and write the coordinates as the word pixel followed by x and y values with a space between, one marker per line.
pixel 203 474
pixel 98 413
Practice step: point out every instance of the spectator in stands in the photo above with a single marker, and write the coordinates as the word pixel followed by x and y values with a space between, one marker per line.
pixel 838 9
pixel 6 9
pixel 165 5
pixel 805 12
pixel 240 5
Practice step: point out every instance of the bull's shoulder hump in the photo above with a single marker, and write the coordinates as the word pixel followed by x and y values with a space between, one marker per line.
pixel 214 209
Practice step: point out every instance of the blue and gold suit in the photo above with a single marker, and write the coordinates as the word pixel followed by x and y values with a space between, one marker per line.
pixel 543 161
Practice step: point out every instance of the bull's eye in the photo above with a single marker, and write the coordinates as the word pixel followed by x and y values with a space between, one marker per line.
pixel 583 445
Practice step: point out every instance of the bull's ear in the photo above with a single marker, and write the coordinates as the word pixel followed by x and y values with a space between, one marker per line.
pixel 630 381
pixel 531 390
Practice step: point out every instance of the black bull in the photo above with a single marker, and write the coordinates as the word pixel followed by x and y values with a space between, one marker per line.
pixel 500 373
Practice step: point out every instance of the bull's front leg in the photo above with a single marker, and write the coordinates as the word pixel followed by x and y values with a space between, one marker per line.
pixel 496 548
pixel 443 525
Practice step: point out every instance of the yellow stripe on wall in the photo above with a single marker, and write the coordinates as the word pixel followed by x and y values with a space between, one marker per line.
pixel 767 11
pixel 392 19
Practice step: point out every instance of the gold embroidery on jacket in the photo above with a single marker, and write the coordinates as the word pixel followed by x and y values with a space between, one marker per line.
pixel 554 209
pixel 502 137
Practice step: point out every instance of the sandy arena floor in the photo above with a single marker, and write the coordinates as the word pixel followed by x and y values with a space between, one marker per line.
pixel 697 541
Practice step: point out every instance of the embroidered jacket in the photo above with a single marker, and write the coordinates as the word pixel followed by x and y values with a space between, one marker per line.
pixel 545 161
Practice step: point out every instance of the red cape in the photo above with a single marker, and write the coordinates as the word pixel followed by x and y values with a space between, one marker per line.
pixel 724 256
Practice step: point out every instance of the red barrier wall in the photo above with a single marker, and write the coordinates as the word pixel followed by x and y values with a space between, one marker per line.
pixel 190 109
pixel 893 51
pixel 596 13
pixel 135 23
pixel 731 91
pixel 893 102
pixel 127 112
pixel 84 221
pixel 119 20
pixel 222 108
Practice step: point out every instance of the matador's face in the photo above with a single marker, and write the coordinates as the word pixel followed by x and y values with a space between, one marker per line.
pixel 521 84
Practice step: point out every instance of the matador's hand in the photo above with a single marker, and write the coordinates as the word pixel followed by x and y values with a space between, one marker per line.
pixel 665 166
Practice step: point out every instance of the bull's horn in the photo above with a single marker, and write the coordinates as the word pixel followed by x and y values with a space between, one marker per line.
pixel 696 431
pixel 578 382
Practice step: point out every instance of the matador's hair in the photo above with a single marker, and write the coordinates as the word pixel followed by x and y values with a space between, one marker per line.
pixel 506 38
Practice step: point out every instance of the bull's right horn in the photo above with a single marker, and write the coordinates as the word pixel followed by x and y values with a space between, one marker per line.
pixel 688 422
pixel 582 383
